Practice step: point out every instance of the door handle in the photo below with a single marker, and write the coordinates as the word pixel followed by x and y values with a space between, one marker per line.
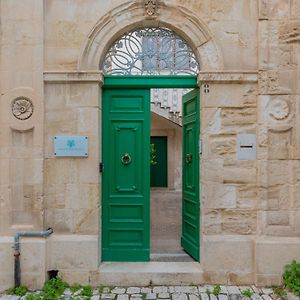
pixel 189 158
pixel 126 159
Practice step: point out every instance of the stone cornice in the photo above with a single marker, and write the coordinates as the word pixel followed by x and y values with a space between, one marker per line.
pixel 227 77
pixel 73 76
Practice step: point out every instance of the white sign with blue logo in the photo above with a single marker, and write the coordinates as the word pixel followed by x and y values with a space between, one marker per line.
pixel 76 146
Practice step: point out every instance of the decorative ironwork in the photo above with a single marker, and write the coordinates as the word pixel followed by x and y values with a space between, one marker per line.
pixel 22 108
pixel 150 51
pixel 150 7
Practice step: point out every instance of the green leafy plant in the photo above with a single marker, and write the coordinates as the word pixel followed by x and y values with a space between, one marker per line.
pixel 291 277
pixel 279 291
pixel 87 291
pixel 34 297
pixel 217 290
pixel 75 287
pixel 19 291
pixel 10 291
pixel 153 161
pixel 54 288
pixel 247 293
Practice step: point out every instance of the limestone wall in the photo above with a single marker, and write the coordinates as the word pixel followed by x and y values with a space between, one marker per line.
pixel 249 51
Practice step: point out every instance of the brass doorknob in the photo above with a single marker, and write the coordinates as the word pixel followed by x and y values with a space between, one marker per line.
pixel 126 159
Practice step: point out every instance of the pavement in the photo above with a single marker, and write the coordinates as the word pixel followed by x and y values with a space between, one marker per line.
pixel 172 292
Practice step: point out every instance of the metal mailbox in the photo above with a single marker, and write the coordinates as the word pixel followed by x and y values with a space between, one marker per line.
pixel 246 146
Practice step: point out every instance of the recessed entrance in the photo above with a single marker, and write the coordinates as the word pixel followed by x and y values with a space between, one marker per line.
pixel 154 58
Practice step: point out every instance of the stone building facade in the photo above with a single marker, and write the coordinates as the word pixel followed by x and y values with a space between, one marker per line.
pixel 249 54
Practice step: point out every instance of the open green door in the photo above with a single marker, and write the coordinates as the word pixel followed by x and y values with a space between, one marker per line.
pixel 125 181
pixel 190 174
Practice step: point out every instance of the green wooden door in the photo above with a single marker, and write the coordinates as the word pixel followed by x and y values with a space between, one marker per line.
pixel 190 175
pixel 125 181
pixel 159 170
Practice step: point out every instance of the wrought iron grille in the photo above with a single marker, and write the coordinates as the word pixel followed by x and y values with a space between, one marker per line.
pixel 150 51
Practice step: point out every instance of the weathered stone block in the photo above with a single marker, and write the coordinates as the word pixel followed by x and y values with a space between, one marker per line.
pixel 222 146
pixel 239 172
pixel 219 196
pixel 223 252
pixel 278 218
pixel 72 253
pixel 239 221
pixel 238 116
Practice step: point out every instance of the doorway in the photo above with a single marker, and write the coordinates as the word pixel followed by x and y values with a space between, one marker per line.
pixel 126 160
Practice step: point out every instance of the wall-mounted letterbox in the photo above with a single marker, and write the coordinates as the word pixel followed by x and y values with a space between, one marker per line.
pixel 246 146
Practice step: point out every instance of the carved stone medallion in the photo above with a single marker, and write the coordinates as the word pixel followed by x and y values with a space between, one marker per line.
pixel 279 109
pixel 151 7
pixel 22 108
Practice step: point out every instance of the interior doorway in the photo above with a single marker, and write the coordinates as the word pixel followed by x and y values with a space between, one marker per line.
pixel 166 176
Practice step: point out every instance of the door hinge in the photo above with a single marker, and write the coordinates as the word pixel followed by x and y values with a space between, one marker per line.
pixel 200 146
pixel 101 167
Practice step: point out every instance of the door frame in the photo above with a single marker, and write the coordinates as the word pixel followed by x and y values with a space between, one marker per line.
pixel 147 81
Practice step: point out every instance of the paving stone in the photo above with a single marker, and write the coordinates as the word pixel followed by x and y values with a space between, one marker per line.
pixel 108 296
pixel 96 292
pixel 266 297
pixel 244 287
pixel 232 289
pixel 9 297
pixel 164 295
pixel 136 296
pixel 186 289
pixel 151 296
pixel 95 297
pixel 235 297
pixel 106 290
pixel 291 296
pixel 256 297
pixel 77 293
pixel 223 289
pixel 171 289
pixel 223 297
pixel 267 291
pixel 255 289
pixel 160 289
pixel 118 290
pixel 213 297
pixel 201 289
pixel 204 296
pixel 67 292
pixel 146 290
pixel 208 287
pixel 193 297
pixel 133 290
pixel 179 296
pixel 123 297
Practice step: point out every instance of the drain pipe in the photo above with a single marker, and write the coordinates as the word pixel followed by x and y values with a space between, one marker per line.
pixel 17 253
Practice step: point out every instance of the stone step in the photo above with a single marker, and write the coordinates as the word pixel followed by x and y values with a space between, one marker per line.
pixel 147 273
pixel 171 257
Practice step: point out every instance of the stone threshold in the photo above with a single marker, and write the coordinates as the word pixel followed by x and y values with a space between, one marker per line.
pixel 148 273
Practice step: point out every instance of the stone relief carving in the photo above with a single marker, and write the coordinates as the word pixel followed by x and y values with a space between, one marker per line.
pixel 22 108
pixel 151 7
pixel 279 109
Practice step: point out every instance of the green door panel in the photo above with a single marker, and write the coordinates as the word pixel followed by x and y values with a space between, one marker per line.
pixel 159 171
pixel 126 180
pixel 190 174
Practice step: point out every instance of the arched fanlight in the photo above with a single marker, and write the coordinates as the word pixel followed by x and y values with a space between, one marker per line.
pixel 150 51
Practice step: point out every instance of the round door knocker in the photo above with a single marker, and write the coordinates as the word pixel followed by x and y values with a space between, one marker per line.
pixel 126 159
pixel 189 158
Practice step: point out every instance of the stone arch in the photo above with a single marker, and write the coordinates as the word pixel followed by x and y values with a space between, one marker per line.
pixel 131 15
